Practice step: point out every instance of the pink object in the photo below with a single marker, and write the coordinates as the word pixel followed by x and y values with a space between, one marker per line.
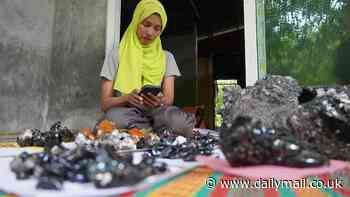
pixel 269 171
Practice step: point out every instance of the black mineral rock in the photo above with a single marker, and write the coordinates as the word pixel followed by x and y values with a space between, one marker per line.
pixel 178 147
pixel 55 136
pixel 248 142
pixel 100 166
pixel 310 115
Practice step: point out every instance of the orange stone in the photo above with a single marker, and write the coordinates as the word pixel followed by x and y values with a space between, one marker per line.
pixel 87 132
pixel 106 125
pixel 135 132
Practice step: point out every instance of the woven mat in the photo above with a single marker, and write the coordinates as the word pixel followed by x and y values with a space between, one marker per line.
pixel 193 183
pixel 3 194
pixel 8 145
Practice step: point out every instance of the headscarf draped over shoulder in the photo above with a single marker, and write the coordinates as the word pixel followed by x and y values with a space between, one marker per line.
pixel 139 64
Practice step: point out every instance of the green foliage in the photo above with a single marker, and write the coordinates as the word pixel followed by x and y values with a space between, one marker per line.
pixel 219 99
pixel 218 103
pixel 304 39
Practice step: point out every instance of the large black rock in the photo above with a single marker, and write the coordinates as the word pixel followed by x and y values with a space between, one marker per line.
pixel 251 143
pixel 311 115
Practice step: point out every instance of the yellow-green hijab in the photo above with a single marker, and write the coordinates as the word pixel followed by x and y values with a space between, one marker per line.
pixel 140 65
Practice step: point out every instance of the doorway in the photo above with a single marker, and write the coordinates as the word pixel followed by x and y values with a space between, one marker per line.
pixel 221 51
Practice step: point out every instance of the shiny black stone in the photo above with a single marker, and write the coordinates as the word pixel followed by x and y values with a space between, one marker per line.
pixel 55 136
pixel 49 183
pixel 247 142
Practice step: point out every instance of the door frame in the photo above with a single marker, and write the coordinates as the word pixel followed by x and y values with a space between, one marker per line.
pixel 250 42
pixel 113 24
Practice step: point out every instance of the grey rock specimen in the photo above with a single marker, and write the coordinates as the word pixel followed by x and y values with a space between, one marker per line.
pixel 270 101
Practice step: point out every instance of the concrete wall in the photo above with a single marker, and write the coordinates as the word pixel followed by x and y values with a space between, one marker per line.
pixel 77 56
pixel 51 53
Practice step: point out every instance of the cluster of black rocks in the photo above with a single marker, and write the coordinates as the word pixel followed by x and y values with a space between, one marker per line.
pixel 101 163
pixel 172 146
pixel 55 136
pixel 310 124
pixel 248 142
pixel 102 167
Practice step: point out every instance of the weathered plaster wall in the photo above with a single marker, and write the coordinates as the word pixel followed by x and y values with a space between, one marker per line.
pixel 25 50
pixel 77 55
pixel 51 52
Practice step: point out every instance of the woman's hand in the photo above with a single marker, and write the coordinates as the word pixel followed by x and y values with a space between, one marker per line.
pixel 134 99
pixel 152 101
pixel 166 97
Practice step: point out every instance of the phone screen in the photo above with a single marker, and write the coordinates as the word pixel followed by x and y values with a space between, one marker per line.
pixel 150 89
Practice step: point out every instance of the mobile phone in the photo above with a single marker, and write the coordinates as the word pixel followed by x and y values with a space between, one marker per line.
pixel 150 89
